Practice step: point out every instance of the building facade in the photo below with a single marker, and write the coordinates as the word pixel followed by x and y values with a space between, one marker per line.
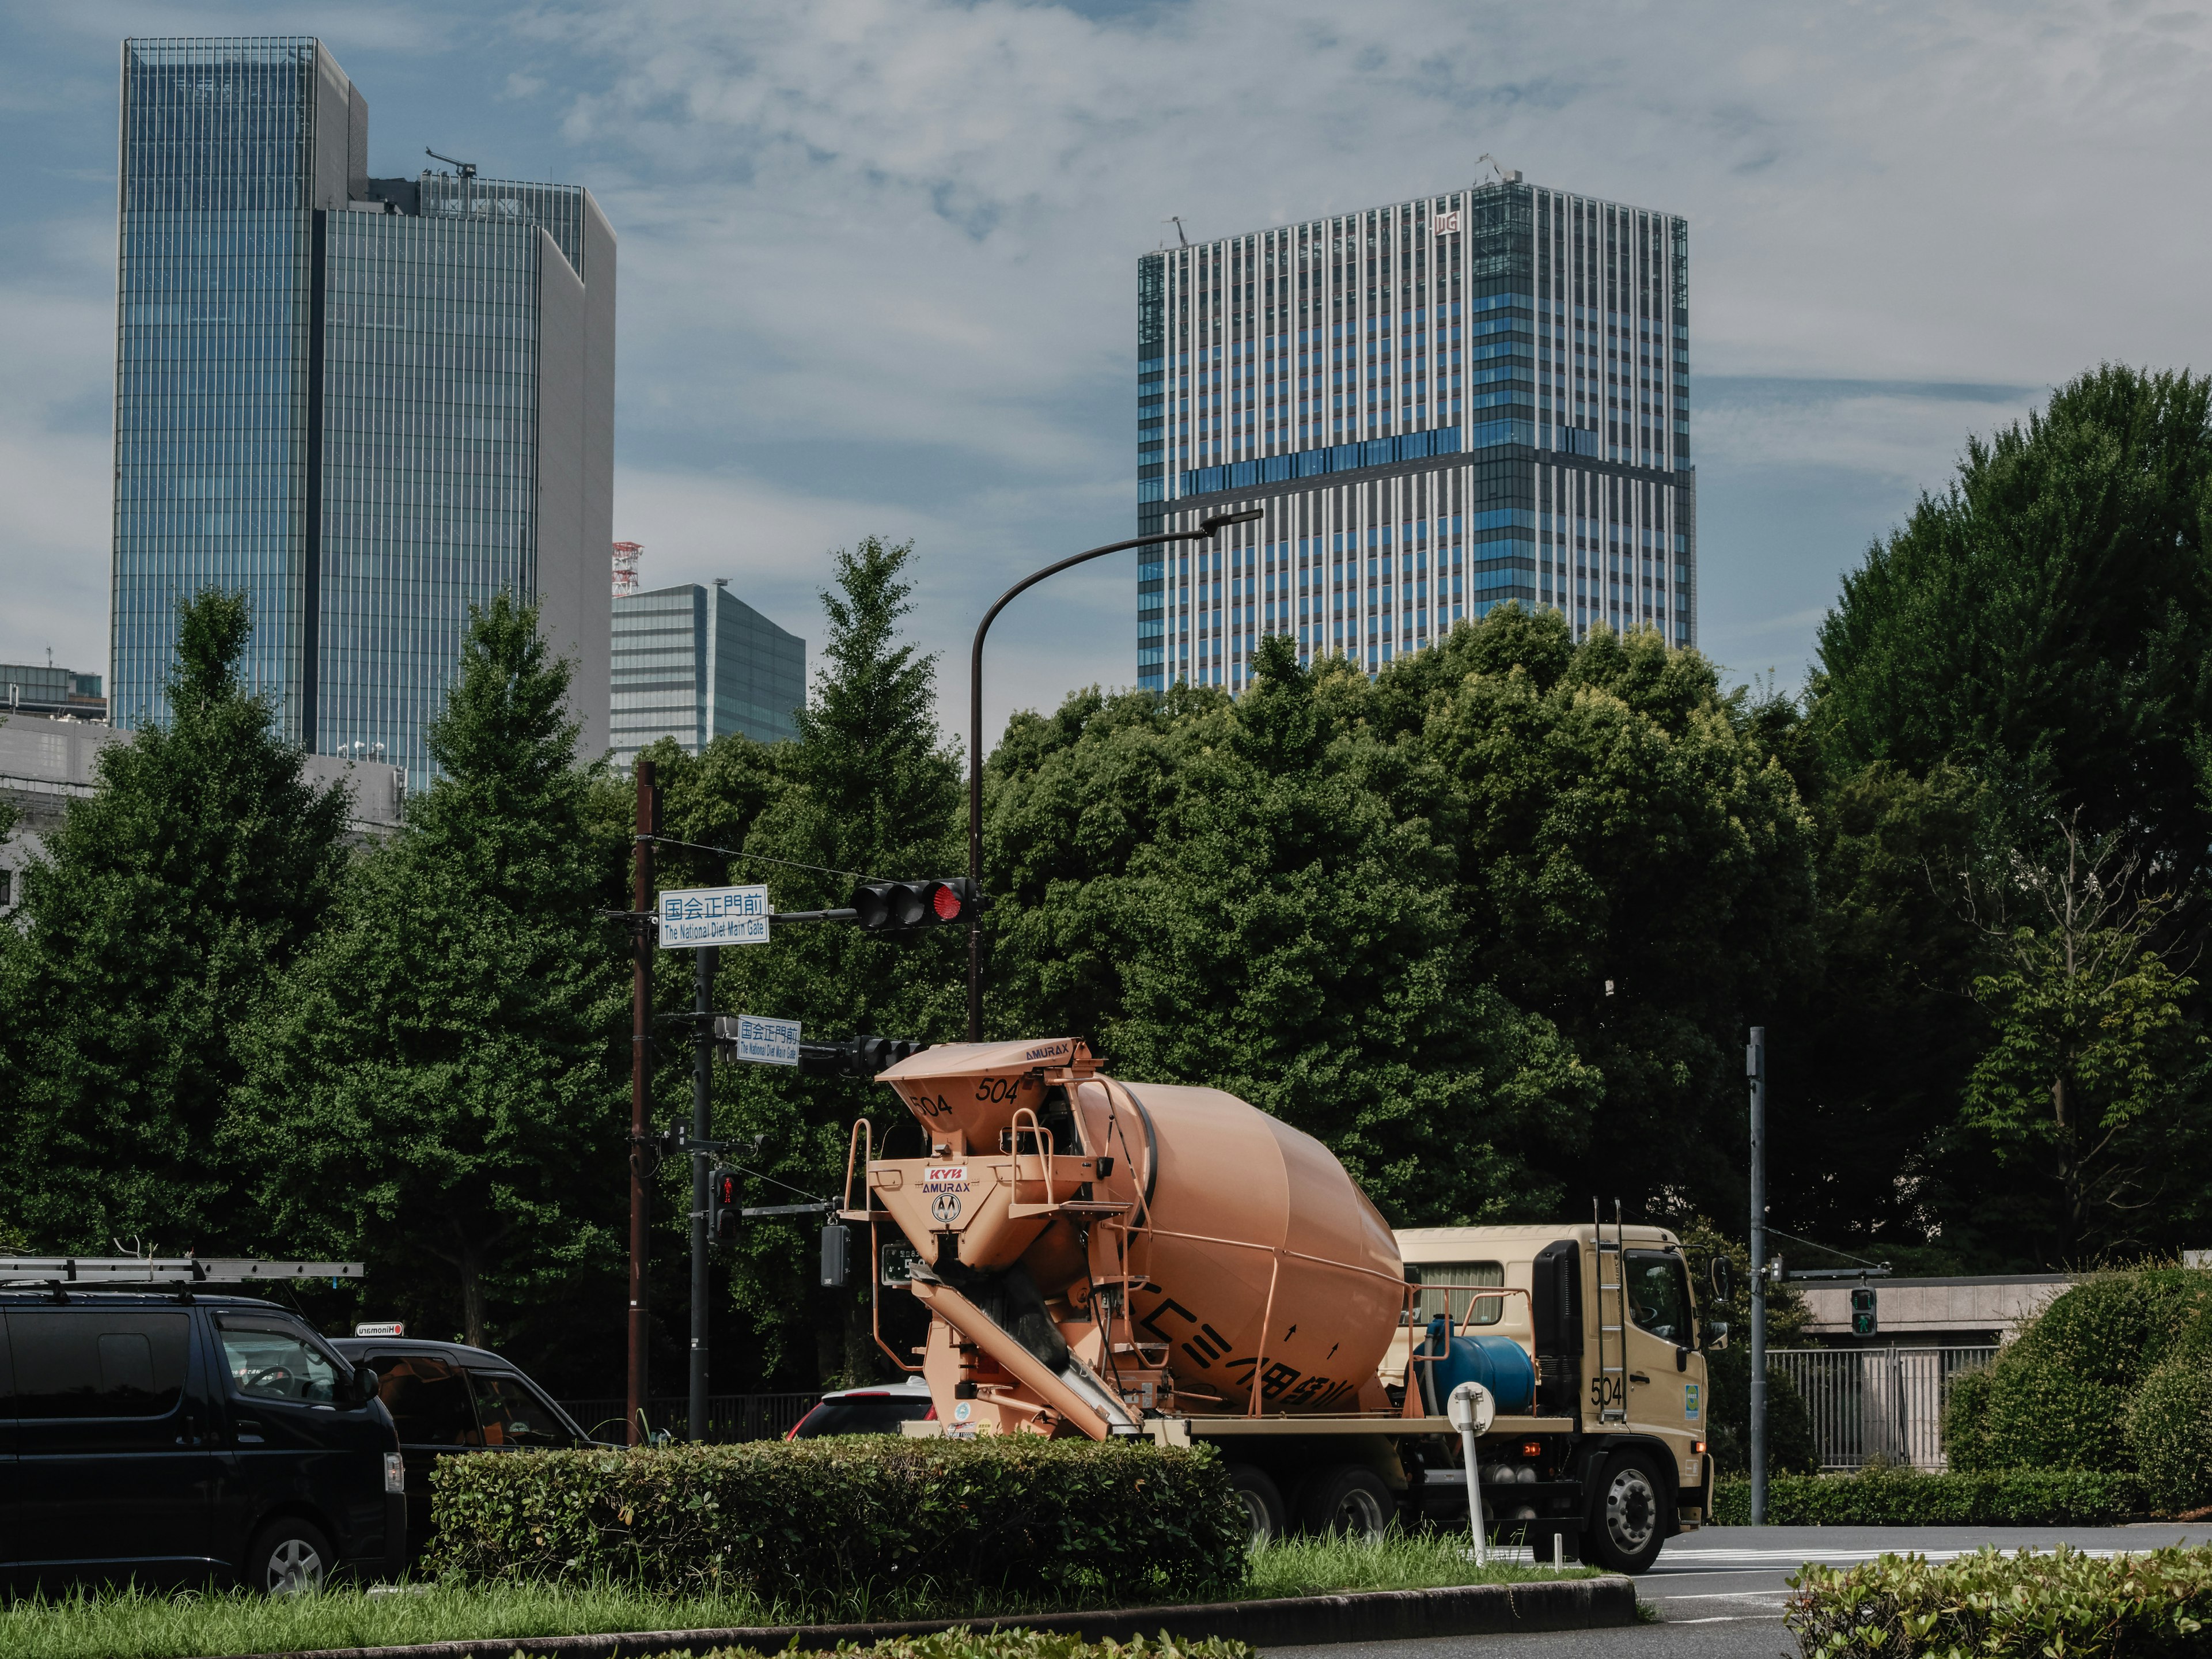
pixel 696 663
pixel 1441 405
pixel 367 403
pixel 30 688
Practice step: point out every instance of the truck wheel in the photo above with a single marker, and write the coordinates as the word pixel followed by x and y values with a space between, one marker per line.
pixel 1350 1501
pixel 1631 1517
pixel 1263 1501
pixel 289 1558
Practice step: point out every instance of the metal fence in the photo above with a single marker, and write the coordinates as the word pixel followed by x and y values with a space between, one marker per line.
pixel 729 1416
pixel 1878 1405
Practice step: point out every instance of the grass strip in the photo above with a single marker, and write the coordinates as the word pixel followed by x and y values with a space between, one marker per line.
pixel 133 1624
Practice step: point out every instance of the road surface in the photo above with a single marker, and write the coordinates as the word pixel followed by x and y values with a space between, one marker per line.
pixel 1720 1591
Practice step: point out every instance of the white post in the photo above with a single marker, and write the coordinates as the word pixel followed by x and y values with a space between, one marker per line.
pixel 1472 1412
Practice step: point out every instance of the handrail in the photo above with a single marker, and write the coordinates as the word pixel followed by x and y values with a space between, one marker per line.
pixel 863 1131
pixel 1044 1139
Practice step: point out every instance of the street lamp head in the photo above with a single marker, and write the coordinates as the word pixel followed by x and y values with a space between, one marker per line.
pixel 1221 521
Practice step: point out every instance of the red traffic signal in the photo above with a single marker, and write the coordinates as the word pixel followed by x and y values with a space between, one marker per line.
pixel 724 1201
pixel 898 907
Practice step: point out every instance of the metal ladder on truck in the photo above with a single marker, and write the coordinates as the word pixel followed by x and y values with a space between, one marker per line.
pixel 1612 1357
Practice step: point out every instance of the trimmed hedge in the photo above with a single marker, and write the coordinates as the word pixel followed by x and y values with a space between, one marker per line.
pixel 1011 1644
pixel 2058 1397
pixel 2169 1424
pixel 1057 1522
pixel 1906 1497
pixel 1988 1606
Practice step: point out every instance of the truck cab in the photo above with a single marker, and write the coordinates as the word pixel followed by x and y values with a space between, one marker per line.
pixel 1608 1316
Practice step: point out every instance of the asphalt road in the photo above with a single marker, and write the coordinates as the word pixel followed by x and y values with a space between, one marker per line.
pixel 1720 1591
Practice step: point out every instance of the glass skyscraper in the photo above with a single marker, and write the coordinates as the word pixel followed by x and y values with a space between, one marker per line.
pixel 1441 405
pixel 694 663
pixel 365 402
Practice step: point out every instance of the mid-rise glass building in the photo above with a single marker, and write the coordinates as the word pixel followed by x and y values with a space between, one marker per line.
pixel 694 663
pixel 1441 405
pixel 367 403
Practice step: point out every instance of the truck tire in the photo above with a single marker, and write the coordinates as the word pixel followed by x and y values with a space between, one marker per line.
pixel 1349 1501
pixel 1630 1515
pixel 1263 1503
pixel 288 1556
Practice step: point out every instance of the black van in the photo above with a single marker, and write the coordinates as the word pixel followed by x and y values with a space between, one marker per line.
pixel 447 1398
pixel 172 1440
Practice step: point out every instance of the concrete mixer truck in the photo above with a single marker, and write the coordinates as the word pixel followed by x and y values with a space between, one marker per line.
pixel 1105 1258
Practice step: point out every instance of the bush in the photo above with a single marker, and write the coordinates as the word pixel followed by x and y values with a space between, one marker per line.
pixel 1906 1497
pixel 1998 1606
pixel 1059 1522
pixel 2169 1428
pixel 1790 1445
pixel 2058 1397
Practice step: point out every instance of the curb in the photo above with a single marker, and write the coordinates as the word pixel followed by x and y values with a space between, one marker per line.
pixel 1290 1622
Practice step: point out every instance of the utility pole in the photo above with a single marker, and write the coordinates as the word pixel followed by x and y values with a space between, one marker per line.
pixel 703 1132
pixel 640 1037
pixel 1754 1064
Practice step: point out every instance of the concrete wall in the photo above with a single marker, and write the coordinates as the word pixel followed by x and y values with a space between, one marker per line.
pixel 1934 1312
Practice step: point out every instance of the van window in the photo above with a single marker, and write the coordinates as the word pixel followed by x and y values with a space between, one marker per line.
pixel 91 1362
pixel 513 1415
pixel 266 1362
pixel 1448 1300
pixel 428 1398
pixel 1659 1295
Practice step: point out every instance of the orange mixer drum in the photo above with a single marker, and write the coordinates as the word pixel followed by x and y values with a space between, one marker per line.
pixel 1222 1244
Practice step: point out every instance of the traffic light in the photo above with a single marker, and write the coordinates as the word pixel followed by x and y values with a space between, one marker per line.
pixel 900 907
pixel 723 1203
pixel 1862 1314
pixel 857 1056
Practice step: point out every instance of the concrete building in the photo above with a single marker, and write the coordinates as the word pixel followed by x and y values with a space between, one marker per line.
pixel 366 402
pixel 693 663
pixel 48 760
pixel 1441 405
pixel 30 689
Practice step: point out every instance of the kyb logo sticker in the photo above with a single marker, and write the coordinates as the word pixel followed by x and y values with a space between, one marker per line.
pixel 945 1207
pixel 944 1178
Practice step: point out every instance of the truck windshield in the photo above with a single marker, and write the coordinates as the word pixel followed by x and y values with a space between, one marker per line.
pixel 1442 1297
pixel 1659 1295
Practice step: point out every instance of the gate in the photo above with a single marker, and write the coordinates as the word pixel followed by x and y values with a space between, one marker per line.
pixel 1878 1405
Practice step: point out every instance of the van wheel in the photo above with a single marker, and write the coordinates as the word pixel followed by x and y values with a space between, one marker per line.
pixel 1631 1514
pixel 1263 1503
pixel 289 1558
pixel 1350 1501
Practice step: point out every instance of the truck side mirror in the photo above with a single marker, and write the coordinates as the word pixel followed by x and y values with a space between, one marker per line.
pixel 1723 1280
pixel 364 1385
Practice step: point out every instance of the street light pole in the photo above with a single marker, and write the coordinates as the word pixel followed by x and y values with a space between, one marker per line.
pixel 641 1034
pixel 1204 531
pixel 1754 1067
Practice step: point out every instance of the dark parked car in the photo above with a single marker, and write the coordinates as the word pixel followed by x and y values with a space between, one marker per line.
pixel 172 1441
pixel 447 1397
pixel 876 1410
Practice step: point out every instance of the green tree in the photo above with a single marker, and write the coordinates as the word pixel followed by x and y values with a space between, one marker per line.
pixel 1258 896
pixel 2089 1036
pixel 1633 863
pixel 435 1079
pixel 2047 621
pixel 165 905
pixel 868 789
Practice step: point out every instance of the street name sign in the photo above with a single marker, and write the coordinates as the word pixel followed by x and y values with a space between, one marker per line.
pixel 693 916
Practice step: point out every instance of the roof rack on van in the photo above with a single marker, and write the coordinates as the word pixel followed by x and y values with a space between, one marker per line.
pixel 153 1270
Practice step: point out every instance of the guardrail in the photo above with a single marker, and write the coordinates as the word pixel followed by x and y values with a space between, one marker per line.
pixel 729 1416
pixel 1878 1405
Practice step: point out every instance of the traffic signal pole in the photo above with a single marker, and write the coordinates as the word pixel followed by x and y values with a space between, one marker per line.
pixel 641 1000
pixel 702 1134
pixel 1204 533
pixel 1754 1061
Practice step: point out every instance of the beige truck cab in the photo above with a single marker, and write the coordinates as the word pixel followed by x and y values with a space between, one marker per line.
pixel 1608 1315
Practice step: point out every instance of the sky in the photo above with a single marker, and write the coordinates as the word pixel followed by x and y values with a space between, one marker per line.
pixel 877 257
